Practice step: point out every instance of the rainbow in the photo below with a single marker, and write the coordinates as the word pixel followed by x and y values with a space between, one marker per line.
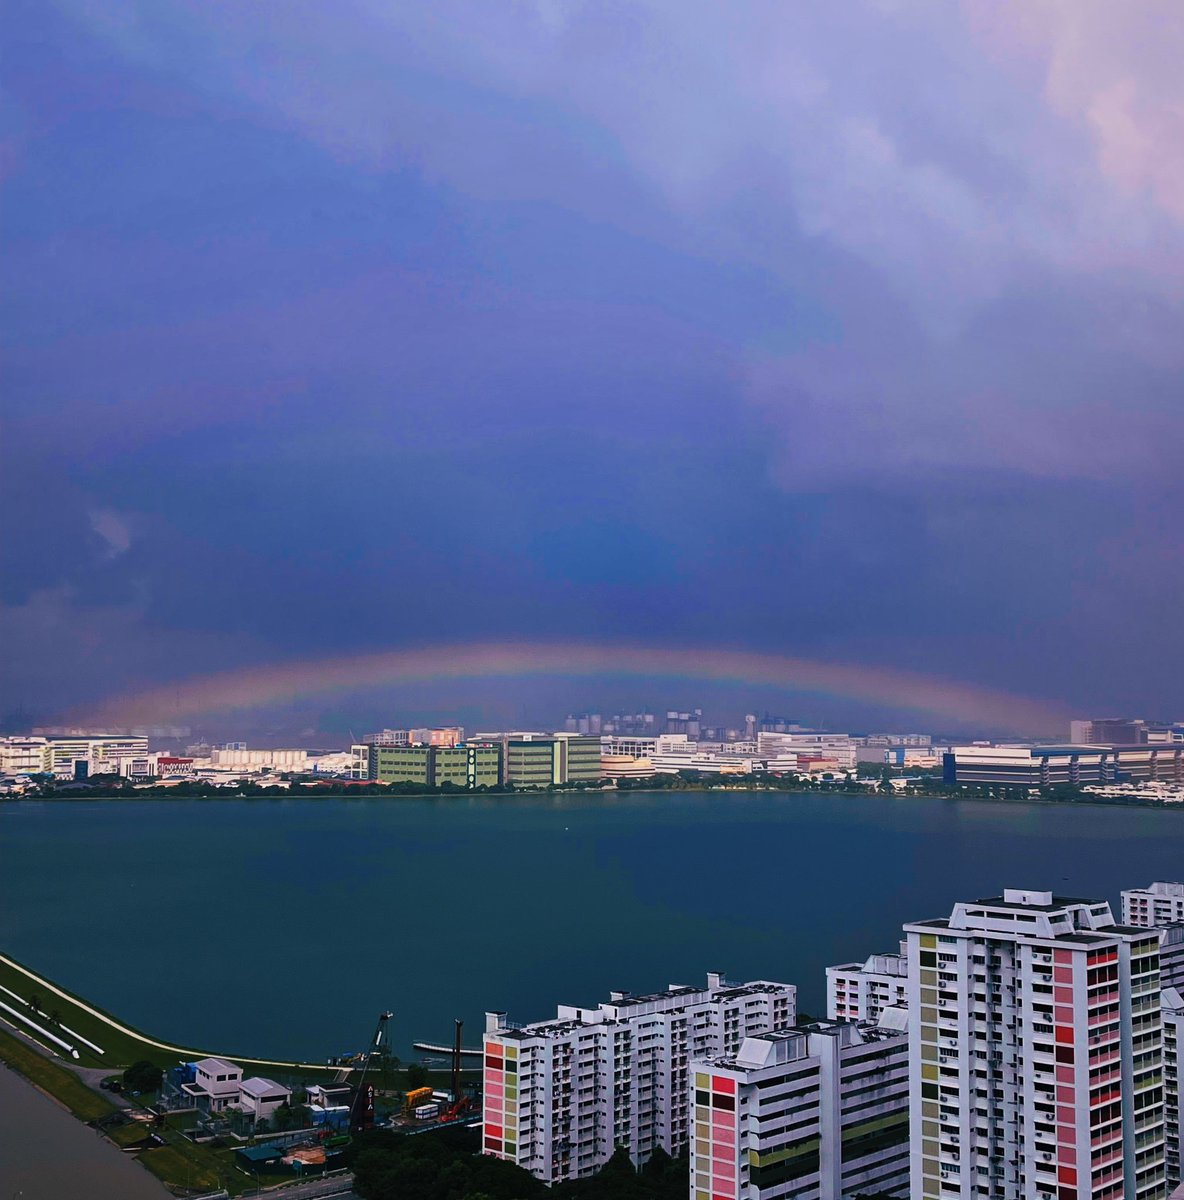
pixel 255 687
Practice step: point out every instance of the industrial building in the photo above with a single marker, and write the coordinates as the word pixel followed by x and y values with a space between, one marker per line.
pixel 1036 1056
pixel 560 1096
pixel 839 747
pixel 464 766
pixel 816 1112
pixel 539 760
pixel 1050 766
pixel 68 757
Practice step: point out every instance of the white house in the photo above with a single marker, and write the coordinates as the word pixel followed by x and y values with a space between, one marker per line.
pixel 259 1098
pixel 216 1084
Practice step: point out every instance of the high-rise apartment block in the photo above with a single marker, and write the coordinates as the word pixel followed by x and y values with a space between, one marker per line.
pixel 861 991
pixel 1159 904
pixel 1172 1008
pixel 818 1112
pixel 1036 1053
pixel 1171 956
pixel 560 1096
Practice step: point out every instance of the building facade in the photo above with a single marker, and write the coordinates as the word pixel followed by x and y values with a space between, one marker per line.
pixel 560 1096
pixel 1172 1007
pixel 21 755
pixel 236 756
pixel 464 766
pixel 818 1112
pixel 861 991
pixel 839 747
pixel 1159 904
pixel 1050 766
pixel 1036 1057
pixel 78 757
pixel 540 761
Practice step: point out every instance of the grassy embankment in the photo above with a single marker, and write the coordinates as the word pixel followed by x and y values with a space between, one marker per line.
pixel 67 1015
pixel 179 1163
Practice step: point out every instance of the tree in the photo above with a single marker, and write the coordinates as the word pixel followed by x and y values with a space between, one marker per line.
pixel 142 1076
pixel 35 1003
pixel 416 1075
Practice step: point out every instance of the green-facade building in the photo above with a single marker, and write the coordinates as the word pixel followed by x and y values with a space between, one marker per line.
pixel 462 766
pixel 539 762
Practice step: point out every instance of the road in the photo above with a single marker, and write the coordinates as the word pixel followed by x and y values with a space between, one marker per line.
pixel 315 1189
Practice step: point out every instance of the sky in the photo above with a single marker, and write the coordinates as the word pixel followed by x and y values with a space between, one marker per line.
pixel 848 332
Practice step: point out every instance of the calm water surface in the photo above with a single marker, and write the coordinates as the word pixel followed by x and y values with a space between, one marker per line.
pixel 282 928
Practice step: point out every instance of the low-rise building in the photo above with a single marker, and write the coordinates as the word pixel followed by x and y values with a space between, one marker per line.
pixel 1051 766
pixel 156 766
pixel 840 747
pixel 816 1112
pixel 215 1084
pixel 24 755
pixel 643 747
pixel 560 1096
pixel 237 756
pixel 861 991
pixel 624 766
pixel 259 1097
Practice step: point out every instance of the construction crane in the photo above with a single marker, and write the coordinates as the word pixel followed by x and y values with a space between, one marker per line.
pixel 460 1104
pixel 361 1112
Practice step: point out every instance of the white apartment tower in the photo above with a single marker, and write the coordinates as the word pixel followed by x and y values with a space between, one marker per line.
pixel 1036 1055
pixel 560 1096
pixel 861 991
pixel 1159 904
pixel 1172 1007
pixel 818 1112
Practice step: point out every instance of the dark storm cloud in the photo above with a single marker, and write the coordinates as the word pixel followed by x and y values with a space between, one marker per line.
pixel 843 330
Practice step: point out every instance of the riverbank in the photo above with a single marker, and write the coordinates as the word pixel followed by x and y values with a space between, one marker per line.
pixel 67 1026
pixel 934 791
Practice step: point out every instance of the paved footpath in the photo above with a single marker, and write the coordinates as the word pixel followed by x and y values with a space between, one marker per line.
pixel 47 1154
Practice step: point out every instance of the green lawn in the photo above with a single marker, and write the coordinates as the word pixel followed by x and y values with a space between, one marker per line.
pixel 64 1085
pixel 188 1166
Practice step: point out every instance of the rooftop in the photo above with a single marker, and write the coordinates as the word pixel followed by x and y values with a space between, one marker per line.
pixel 258 1087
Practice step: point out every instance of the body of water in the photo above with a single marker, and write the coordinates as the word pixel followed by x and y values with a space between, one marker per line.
pixel 282 928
